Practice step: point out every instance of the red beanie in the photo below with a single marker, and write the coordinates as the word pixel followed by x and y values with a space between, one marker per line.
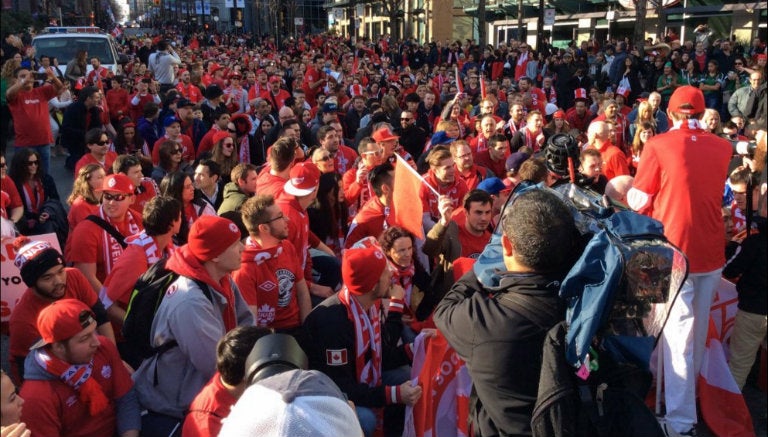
pixel 361 268
pixel 220 135
pixel 210 236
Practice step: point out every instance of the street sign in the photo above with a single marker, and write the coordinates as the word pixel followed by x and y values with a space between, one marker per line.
pixel 338 13
pixel 298 21
pixel 549 17
pixel 359 10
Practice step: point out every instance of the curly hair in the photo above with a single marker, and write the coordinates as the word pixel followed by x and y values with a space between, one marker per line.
pixel 81 186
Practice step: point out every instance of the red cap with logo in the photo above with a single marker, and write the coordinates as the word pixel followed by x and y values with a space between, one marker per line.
pixel 384 134
pixel 305 177
pixel 687 100
pixel 117 183
pixel 62 320
pixel 361 268
pixel 210 236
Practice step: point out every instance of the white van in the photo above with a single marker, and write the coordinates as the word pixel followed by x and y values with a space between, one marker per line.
pixel 63 43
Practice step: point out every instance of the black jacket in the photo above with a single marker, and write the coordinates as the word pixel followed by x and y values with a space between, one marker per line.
pixel 502 348
pixel 328 328
pixel 747 261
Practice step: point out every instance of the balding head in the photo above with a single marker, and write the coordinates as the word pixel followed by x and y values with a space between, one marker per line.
pixel 285 113
pixel 617 188
pixel 597 132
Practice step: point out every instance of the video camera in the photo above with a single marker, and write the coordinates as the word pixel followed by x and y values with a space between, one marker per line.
pixel 274 354
pixel 743 147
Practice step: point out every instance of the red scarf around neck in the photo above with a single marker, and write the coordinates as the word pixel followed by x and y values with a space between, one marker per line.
pixel 77 376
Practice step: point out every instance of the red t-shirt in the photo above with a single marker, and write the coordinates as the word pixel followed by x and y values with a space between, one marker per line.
pixel 88 158
pixel 147 191
pixel 499 168
pixel 9 198
pixel 206 411
pixel 344 159
pixel 276 100
pixel 191 92
pixel 298 229
pixel 29 110
pixel 53 408
pixel 118 101
pixel 23 321
pixel 684 172
pixel 614 161
pixel 267 280
pixel 187 153
pixel 206 143
pixel 269 184
pixel 372 219
pixel 88 244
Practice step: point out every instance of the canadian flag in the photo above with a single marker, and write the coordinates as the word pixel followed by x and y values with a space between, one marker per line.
pixel 722 404
pixel 335 357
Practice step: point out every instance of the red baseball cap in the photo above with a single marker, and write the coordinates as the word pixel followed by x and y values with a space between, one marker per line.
pixel 559 114
pixel 384 134
pixel 275 79
pixel 117 183
pixel 361 268
pixel 687 100
pixel 62 320
pixel 305 177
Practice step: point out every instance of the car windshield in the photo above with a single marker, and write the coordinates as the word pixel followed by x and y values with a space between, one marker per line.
pixel 65 48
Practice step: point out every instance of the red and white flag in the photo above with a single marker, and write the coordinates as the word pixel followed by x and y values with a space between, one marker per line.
pixel 336 357
pixel 459 84
pixel 722 404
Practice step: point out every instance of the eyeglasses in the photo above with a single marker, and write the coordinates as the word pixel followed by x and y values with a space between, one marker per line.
pixel 325 158
pixel 229 145
pixel 31 163
pixel 280 217
pixel 115 197
pixel 176 151
pixel 232 131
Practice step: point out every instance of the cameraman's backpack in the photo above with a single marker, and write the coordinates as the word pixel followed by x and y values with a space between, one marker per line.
pixel 594 375
pixel 146 297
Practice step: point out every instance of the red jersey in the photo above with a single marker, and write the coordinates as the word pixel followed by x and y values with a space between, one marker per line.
pixel 682 175
pixel 144 193
pixel 498 168
pixel 270 184
pixel 206 143
pixel 276 100
pixel 471 245
pixel 207 410
pixel 29 110
pixel 455 192
pixel 88 158
pixel 23 321
pixel 614 161
pixel 9 197
pixel 190 91
pixel 621 125
pixel 474 176
pixel 118 101
pixel 53 407
pixel 356 194
pixel 187 148
pixel 372 219
pixel 345 159
pixel 267 279
pixel 298 229
pixel 580 122
pixel 137 103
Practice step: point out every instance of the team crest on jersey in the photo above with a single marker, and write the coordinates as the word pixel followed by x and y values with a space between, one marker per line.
pixel 106 371
pixel 286 280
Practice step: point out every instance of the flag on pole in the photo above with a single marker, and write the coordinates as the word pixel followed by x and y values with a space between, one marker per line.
pixel 722 404
pixel 406 204
pixel 459 85
pixel 483 92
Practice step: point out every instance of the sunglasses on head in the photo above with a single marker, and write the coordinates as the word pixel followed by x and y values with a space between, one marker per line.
pixel 115 197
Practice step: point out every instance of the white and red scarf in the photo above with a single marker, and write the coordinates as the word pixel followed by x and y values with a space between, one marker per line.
pixel 77 376
pixel 244 150
pixel 149 246
pixel 33 197
pixel 403 276
pixel 111 247
pixel 367 336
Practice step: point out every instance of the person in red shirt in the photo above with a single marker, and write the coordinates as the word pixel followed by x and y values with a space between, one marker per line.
pixel 537 96
pixel 579 116
pixel 468 171
pixel 77 385
pixel 479 142
pixel 442 178
pixel 146 188
pixel 42 270
pixel 216 399
pixel 614 160
pixel 314 79
pixel 118 100
pixel 357 187
pixel 94 250
pixel 220 124
pixel 494 158
pixel 275 95
pixel 97 75
pixel 187 89
pixel 97 142
pixel 680 182
pixel 275 174
pixel 270 277
pixel 173 133
pixel 344 157
pixel 29 109
pixel 145 93
pixel 612 114
pixel 299 191
pixel 11 207
pixel 531 135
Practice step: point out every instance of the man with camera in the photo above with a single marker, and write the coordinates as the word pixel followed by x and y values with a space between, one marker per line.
pixel 161 65
pixel 351 344
pixel 499 344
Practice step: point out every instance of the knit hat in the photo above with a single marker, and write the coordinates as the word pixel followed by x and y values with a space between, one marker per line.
pixel 220 135
pixel 296 403
pixel 361 268
pixel 34 258
pixel 304 179
pixel 62 320
pixel 117 183
pixel 210 236
pixel 687 96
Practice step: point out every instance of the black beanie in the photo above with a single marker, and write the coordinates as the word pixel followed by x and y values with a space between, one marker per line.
pixel 36 258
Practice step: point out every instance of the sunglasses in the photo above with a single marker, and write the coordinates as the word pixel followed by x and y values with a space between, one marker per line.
pixel 325 158
pixel 232 131
pixel 101 143
pixel 31 163
pixel 229 145
pixel 405 119
pixel 115 197
pixel 374 152
pixel 177 151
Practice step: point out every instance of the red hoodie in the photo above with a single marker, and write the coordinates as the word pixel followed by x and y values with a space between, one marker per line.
pixel 455 191
pixel 267 280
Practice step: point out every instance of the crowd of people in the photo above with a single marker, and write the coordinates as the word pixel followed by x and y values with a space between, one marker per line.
pixel 264 177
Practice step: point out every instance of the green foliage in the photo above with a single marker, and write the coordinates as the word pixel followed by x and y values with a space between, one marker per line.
pixel 16 21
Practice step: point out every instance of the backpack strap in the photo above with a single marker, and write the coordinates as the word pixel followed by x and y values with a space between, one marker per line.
pixel 111 230
pixel 165 347
pixel 532 308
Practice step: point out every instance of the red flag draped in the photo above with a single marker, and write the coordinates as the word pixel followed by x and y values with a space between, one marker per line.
pixel 406 205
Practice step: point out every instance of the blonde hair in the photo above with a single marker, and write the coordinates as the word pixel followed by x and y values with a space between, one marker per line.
pixel 81 188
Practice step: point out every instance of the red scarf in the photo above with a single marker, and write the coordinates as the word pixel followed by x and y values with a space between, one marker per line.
pixel 244 149
pixel 404 277
pixel 112 247
pixel 77 376
pixel 149 245
pixel 367 337
pixel 33 197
